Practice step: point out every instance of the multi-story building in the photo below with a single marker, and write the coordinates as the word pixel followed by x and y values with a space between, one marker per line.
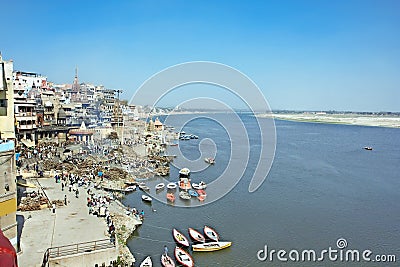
pixel 8 188
pixel 6 100
pixel 25 119
pixel 29 80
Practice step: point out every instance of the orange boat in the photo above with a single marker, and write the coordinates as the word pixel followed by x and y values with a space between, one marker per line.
pixel 171 197
pixel 202 194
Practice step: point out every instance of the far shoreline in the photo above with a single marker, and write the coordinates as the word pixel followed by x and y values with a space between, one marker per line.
pixel 386 121
pixel 341 119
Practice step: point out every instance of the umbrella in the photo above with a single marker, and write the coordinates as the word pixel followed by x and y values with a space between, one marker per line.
pixel 8 257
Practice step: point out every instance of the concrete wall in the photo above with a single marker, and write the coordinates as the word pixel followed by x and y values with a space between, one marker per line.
pixel 86 259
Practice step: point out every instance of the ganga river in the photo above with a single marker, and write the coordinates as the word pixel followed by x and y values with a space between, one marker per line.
pixel 322 186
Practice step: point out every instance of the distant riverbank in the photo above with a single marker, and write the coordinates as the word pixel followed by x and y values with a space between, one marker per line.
pixel 350 119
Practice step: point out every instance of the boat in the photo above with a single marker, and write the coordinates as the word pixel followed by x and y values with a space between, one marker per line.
pixel 193 193
pixel 183 257
pixel 184 183
pixel 367 148
pixel 184 172
pixel 195 235
pixel 146 198
pixel 209 160
pixel 174 144
pixel 144 187
pixel 130 188
pixel 170 197
pixel 211 233
pixel 202 194
pixel 184 195
pixel 201 185
pixel 180 238
pixel 160 186
pixel 147 262
pixel 167 261
pixel 171 186
pixel 211 246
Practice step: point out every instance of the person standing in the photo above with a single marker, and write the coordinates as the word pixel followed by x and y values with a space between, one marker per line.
pixel 62 186
pixel 65 200
pixel 54 208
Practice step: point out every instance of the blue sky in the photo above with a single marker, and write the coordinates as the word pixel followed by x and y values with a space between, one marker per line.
pixel 314 55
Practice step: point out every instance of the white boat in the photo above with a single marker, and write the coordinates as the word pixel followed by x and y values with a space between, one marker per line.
pixel 184 195
pixel 209 160
pixel 167 261
pixel 201 185
pixel 146 198
pixel 211 246
pixel 183 257
pixel 130 188
pixel 196 235
pixel 211 233
pixel 144 187
pixel 184 172
pixel 180 238
pixel 160 186
pixel 147 262
pixel 171 185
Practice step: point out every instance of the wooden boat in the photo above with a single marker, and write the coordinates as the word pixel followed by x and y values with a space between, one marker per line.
pixel 167 261
pixel 146 198
pixel 144 187
pixel 201 185
pixel 180 238
pixel 211 246
pixel 174 144
pixel 170 197
pixel 209 160
pixel 171 186
pixel 184 183
pixel 196 236
pixel 147 262
pixel 183 257
pixel 184 195
pixel 211 233
pixel 160 186
pixel 130 188
pixel 193 193
pixel 184 172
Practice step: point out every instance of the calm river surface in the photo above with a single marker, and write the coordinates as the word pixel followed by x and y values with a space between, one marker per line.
pixel 322 186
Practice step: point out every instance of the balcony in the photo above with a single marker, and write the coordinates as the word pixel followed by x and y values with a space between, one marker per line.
pixel 27 127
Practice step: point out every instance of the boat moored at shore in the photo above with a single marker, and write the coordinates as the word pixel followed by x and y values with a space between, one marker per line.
pixel 183 257
pixel 196 235
pixel 211 246
pixel 180 238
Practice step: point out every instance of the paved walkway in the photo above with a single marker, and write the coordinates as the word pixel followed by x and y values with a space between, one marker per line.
pixel 70 224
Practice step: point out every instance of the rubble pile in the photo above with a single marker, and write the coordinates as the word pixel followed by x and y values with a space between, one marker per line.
pixel 33 202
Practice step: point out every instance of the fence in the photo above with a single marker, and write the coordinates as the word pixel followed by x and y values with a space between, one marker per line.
pixel 73 249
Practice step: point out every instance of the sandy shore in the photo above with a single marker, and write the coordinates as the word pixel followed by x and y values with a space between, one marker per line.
pixel 349 119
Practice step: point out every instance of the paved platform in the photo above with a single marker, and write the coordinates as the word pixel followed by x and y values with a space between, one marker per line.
pixel 70 224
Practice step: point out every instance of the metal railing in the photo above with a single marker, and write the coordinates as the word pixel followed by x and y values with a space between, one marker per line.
pixel 78 248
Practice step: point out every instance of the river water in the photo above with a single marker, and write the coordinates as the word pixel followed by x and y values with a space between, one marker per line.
pixel 322 186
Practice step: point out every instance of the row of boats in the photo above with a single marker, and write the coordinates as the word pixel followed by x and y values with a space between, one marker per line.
pixel 196 192
pixel 181 255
